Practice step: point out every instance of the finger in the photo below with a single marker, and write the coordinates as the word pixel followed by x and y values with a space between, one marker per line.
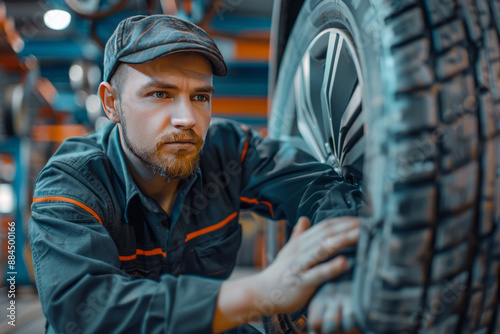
pixel 311 239
pixel 348 320
pixel 338 241
pixel 302 225
pixel 315 314
pixel 328 228
pixel 332 318
pixel 326 271
pixel 325 248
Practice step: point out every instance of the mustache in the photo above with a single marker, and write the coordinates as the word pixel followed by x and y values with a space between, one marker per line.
pixel 185 135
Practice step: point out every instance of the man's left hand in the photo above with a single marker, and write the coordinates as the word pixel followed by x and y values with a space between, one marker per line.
pixel 330 310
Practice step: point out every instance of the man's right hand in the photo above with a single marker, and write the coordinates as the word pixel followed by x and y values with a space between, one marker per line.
pixel 294 276
pixel 298 270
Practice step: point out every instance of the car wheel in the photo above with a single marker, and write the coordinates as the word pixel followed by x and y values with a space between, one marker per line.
pixel 403 99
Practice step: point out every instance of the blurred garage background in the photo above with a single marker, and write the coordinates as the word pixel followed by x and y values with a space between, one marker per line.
pixel 51 55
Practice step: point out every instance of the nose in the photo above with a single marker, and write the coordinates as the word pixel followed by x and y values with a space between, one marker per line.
pixel 183 115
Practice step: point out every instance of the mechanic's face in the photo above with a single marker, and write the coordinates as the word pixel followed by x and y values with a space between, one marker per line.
pixel 165 111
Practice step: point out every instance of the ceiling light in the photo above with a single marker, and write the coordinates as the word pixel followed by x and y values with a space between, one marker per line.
pixel 76 73
pixel 93 106
pixel 7 199
pixel 57 19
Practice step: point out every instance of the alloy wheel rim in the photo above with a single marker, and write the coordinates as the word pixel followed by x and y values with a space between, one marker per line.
pixel 328 91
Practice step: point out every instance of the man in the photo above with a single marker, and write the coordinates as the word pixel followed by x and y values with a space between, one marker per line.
pixel 134 228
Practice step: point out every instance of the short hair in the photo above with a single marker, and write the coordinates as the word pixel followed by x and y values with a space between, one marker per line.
pixel 119 77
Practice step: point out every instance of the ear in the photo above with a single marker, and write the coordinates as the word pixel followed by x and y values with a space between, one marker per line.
pixel 109 98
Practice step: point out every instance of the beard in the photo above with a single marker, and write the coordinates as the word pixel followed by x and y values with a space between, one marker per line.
pixel 178 165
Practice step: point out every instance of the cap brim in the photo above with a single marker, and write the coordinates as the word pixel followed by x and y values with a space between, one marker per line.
pixel 218 65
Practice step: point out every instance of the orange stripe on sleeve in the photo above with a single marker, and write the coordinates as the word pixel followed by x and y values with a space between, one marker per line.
pixel 68 200
pixel 212 228
pixel 128 258
pixel 245 148
pixel 157 251
pixel 256 202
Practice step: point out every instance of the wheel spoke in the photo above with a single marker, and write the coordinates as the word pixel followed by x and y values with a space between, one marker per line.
pixel 353 162
pixel 352 121
pixel 331 64
pixel 307 122
pixel 353 108
pixel 352 135
pixel 328 89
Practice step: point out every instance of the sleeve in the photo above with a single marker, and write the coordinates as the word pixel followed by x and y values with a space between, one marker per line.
pixel 283 182
pixel 78 276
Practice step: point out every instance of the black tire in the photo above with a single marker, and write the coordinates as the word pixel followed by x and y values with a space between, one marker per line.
pixel 428 259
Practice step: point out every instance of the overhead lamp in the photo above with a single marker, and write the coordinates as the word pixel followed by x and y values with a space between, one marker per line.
pixel 93 107
pixel 57 19
pixel 7 198
pixel 84 74
pixel 76 73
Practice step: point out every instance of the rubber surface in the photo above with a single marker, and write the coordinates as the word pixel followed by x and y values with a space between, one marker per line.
pixel 428 260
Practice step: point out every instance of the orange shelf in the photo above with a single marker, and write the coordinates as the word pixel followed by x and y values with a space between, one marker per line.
pixel 56 133
pixel 240 106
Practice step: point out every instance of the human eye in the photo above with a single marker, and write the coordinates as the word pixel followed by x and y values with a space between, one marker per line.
pixel 201 98
pixel 159 95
